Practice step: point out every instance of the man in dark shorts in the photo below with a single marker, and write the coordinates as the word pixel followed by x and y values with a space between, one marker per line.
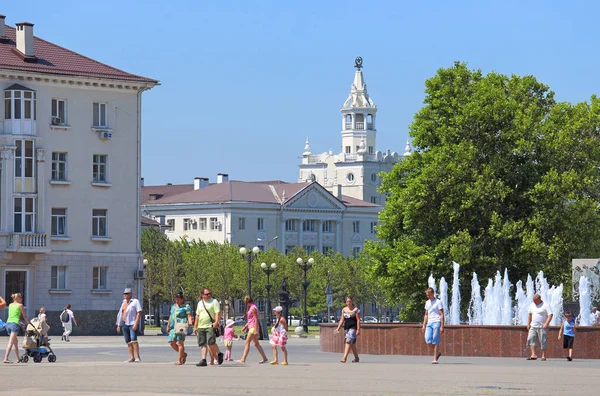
pixel 208 316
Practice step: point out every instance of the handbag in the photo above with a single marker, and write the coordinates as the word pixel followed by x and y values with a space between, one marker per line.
pixel 181 327
pixel 218 330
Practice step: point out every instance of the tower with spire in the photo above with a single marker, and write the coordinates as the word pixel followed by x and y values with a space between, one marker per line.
pixel 355 171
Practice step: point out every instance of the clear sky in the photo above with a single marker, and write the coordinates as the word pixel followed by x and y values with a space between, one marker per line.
pixel 244 82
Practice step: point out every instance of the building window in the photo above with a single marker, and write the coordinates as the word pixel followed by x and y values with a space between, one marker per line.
pixel 99 278
pixel 187 224
pixel 171 225
pixel 356 227
pixel 355 251
pixel 59 112
pixel 309 249
pixel 100 115
pixel 371 151
pixel 309 225
pixel 328 226
pixel 348 149
pixel 373 227
pixel 350 178
pixel 202 224
pixel 374 200
pixel 59 222
pixel 99 223
pixel 260 224
pixel 289 248
pixel 290 225
pixel 99 168
pixel 327 250
pixel 59 166
pixel 242 223
pixel 374 177
pixel 24 158
pixel 19 105
pixel 214 224
pixel 58 277
pixel 24 214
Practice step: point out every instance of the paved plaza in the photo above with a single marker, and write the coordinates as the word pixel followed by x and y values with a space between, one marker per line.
pixel 94 366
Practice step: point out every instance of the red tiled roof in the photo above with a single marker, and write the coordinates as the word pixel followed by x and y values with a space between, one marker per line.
pixel 53 59
pixel 146 221
pixel 152 193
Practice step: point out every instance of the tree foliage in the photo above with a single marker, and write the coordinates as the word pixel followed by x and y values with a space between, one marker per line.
pixel 502 176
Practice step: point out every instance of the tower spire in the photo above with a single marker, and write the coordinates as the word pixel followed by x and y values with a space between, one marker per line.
pixel 306 148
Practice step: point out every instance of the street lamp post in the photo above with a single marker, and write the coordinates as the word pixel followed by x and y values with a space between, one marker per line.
pixel 305 267
pixel 249 256
pixel 268 242
pixel 268 270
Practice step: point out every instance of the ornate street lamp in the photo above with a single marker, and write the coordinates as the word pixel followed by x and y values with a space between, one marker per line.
pixel 249 255
pixel 268 270
pixel 305 267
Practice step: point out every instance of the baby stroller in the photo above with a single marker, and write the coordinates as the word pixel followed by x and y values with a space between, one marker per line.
pixel 36 343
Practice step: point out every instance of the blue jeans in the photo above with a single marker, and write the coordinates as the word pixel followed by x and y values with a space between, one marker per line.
pixel 432 333
pixel 12 327
pixel 129 334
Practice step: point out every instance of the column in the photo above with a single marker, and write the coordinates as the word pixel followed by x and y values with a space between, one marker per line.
pixel 301 233
pixel 283 235
pixel 320 236
pixel 7 155
pixel 353 121
pixel 41 191
pixel 338 236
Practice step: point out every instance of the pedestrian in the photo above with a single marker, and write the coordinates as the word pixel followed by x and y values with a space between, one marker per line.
pixel 433 323
pixel 596 315
pixel 540 316
pixel 279 337
pixel 208 316
pixel 252 327
pixel 42 314
pixel 228 338
pixel 567 329
pixel 180 319
pixel 350 318
pixel 67 317
pixel 15 313
pixel 128 318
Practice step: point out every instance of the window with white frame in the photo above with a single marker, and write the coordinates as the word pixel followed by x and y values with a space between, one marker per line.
pixel 187 224
pixel 59 112
pixel 99 222
pixel 355 251
pixel 327 250
pixel 24 157
pixel 371 150
pixel 242 223
pixel 214 224
pixel 24 214
pixel 348 149
pixel 59 166
pixel 59 222
pixel 171 225
pixel 20 104
pixel 99 174
pixel 58 277
pixel 374 199
pixel 100 115
pixel 203 223
pixel 328 226
pixel 356 227
pixel 99 278
pixel 373 227
pixel 290 225
pixel 309 248
pixel 260 224
pixel 309 225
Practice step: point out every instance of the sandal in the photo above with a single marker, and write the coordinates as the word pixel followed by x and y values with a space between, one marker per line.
pixel 274 362
pixel 355 360
pixel 178 363
pixel 343 361
pixel 285 364
pixel 240 362
pixel 434 362
pixel 7 362
pixel 263 361
pixel 532 358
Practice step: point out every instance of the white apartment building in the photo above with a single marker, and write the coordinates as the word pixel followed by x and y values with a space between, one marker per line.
pixel 270 214
pixel 357 168
pixel 70 133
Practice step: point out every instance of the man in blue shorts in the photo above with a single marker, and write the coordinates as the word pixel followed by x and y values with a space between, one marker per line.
pixel 433 323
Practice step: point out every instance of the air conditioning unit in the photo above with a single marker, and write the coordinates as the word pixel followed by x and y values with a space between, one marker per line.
pixel 56 120
pixel 140 274
pixel 105 135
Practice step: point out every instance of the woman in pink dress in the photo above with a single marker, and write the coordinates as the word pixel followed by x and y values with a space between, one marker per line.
pixel 252 327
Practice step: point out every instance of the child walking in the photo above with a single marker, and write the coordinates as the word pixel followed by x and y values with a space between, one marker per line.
pixel 228 338
pixel 567 329
pixel 279 337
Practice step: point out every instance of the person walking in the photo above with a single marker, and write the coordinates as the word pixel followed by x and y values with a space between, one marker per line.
pixel 180 313
pixel 208 316
pixel 350 318
pixel 128 318
pixel 252 327
pixel 228 338
pixel 67 318
pixel 567 328
pixel 539 319
pixel 433 323
pixel 279 337
pixel 15 313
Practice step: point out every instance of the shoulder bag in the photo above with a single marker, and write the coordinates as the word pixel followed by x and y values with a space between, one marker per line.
pixel 180 327
pixel 217 329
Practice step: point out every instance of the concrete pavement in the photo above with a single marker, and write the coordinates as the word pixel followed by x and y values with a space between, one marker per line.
pixel 94 365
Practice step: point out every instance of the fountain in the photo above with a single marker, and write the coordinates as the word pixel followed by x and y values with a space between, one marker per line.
pixel 585 302
pixel 475 305
pixel 443 295
pixel 455 306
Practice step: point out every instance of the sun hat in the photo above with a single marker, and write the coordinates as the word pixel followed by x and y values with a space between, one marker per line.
pixel 229 323
pixel 127 290
pixel 278 308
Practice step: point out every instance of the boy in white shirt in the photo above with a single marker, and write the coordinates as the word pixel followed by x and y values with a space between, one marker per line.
pixel 433 323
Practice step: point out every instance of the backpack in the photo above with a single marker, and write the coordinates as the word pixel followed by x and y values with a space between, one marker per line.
pixel 64 316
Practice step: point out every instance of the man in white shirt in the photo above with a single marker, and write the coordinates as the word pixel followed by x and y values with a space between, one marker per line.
pixel 68 324
pixel 540 316
pixel 433 323
pixel 128 318
pixel 596 314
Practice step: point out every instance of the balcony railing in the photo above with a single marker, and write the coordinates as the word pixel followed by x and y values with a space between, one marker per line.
pixel 360 126
pixel 27 242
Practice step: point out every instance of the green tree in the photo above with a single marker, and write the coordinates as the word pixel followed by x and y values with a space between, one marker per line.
pixel 502 176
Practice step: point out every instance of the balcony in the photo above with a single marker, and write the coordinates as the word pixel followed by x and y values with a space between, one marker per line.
pixel 360 126
pixel 27 243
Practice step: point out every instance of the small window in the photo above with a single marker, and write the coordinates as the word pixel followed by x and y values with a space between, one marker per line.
pixel 99 278
pixel 371 150
pixel 290 225
pixel 328 226
pixel 309 225
pixel 374 200
pixel 99 222
pixel 187 224
pixel 59 222
pixel 260 224
pixel 203 223
pixel 214 224
pixel 59 112
pixel 171 225
pixel 355 251
pixel 356 227
pixel 99 168
pixel 350 178
pixel 348 149
pixel 59 166
pixel 242 223
pixel 374 177
pixel 100 115
pixel 327 250
pixel 309 249
pixel 58 277
pixel 373 227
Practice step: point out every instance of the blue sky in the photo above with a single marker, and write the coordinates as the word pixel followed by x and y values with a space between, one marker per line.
pixel 244 82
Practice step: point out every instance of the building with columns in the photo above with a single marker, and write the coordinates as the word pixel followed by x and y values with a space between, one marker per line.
pixel 70 133
pixel 357 168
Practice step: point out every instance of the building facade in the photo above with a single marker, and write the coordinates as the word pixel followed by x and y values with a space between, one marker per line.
pixel 357 168
pixel 70 133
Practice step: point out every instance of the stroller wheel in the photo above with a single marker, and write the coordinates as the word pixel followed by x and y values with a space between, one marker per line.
pixel 52 358
pixel 37 358
pixel 24 359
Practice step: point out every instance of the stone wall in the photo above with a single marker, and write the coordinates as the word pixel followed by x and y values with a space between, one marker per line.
pixel 90 323
pixel 460 340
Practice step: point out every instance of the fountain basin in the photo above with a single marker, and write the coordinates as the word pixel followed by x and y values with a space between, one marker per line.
pixel 458 340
